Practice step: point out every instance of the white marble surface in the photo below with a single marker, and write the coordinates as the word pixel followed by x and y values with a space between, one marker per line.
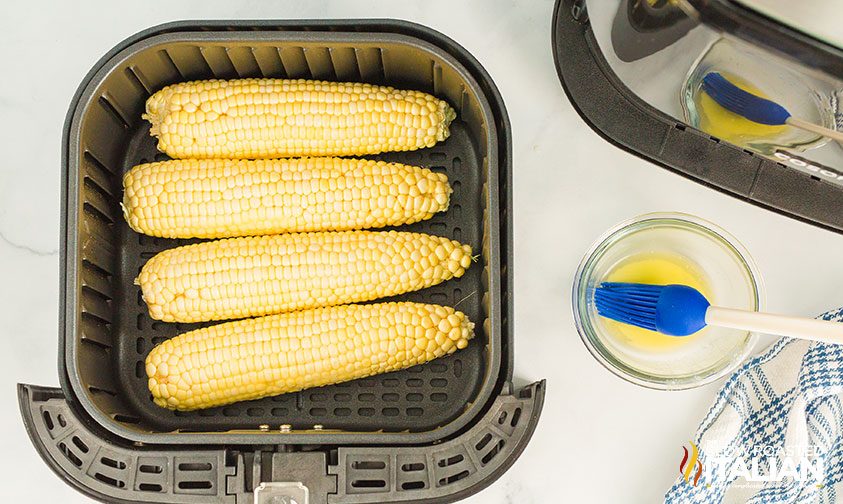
pixel 599 439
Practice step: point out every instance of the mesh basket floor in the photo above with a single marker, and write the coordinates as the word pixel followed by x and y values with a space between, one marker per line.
pixel 417 399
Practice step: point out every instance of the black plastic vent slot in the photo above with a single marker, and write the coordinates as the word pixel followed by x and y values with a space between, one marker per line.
pixel 483 442
pixel 70 455
pixel 48 420
pixel 493 452
pixel 368 465
pixel 108 480
pixel 516 416
pixel 453 478
pixel 80 444
pixel 456 459
pixel 368 483
pixel 195 466
pixel 195 485
pixel 110 462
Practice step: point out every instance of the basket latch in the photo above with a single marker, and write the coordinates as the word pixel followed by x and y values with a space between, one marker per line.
pixel 282 493
pixel 291 478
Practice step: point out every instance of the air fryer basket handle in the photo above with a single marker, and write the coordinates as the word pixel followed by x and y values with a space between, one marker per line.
pixel 112 470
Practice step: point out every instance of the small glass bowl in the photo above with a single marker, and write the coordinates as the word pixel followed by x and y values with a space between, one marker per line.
pixel 732 278
pixel 802 96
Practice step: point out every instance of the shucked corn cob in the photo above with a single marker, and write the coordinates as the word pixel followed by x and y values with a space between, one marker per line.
pixel 270 118
pixel 216 198
pixel 253 276
pixel 261 357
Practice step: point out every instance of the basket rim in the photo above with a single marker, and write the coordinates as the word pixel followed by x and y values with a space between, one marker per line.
pixel 500 365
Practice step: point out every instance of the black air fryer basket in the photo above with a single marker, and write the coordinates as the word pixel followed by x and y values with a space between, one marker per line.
pixel 433 433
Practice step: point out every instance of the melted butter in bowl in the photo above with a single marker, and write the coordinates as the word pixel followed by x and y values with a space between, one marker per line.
pixel 726 125
pixel 655 269
pixel 667 249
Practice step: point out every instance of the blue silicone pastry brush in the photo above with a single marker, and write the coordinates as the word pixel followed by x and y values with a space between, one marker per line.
pixel 679 310
pixel 757 109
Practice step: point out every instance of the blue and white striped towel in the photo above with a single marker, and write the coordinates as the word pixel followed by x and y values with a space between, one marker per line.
pixel 783 409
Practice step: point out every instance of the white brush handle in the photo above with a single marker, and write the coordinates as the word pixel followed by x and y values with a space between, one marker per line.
pixel 815 128
pixel 823 331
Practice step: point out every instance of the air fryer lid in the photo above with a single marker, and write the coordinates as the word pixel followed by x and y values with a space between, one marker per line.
pixel 786 27
pixel 633 70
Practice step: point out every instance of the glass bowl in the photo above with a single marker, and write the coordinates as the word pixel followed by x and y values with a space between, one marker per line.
pixel 732 280
pixel 763 74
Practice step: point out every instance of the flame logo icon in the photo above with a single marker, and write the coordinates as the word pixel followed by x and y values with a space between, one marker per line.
pixel 691 461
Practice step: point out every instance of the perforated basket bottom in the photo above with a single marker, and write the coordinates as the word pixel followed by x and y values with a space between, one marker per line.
pixel 416 399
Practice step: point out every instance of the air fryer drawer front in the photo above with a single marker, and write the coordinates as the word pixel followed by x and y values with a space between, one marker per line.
pixel 113 470
pixel 790 186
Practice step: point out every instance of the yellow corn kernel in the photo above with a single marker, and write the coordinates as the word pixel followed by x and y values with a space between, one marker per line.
pixel 217 198
pixel 260 357
pixel 271 118
pixel 254 276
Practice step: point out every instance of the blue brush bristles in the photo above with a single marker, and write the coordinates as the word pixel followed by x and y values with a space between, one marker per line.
pixel 743 103
pixel 675 310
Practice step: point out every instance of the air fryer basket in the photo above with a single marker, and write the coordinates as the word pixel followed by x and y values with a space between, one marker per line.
pixel 109 332
pixel 344 443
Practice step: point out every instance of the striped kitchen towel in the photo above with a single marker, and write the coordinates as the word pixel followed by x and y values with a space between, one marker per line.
pixel 774 433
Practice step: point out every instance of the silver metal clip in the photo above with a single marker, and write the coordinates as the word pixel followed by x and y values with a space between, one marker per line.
pixel 287 492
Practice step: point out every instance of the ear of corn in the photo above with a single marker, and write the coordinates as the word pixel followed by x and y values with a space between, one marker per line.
pixel 216 198
pixel 254 358
pixel 270 118
pixel 253 276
